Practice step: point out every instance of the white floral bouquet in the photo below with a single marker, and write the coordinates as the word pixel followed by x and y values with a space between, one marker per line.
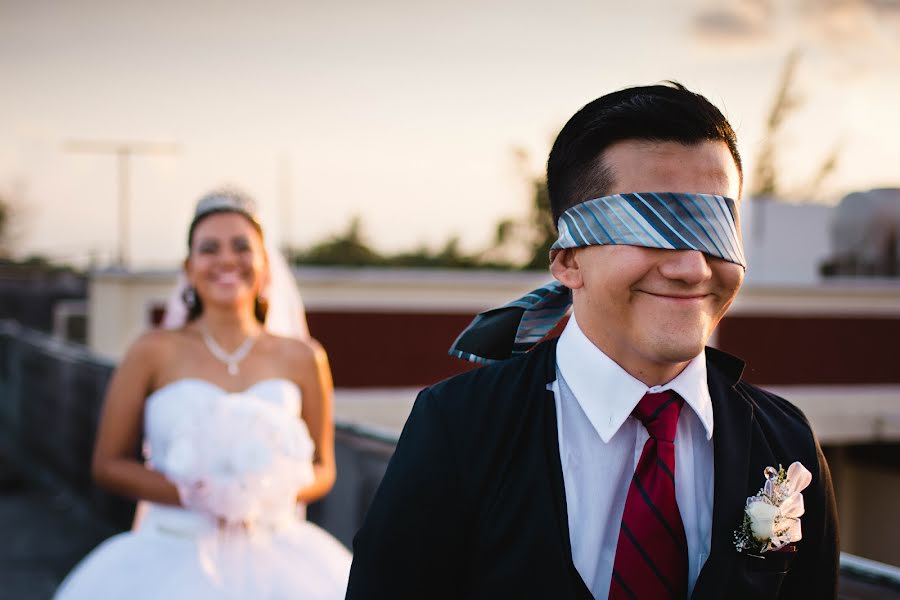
pixel 241 459
pixel 772 516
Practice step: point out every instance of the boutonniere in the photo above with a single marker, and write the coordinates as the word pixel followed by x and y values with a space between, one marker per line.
pixel 772 516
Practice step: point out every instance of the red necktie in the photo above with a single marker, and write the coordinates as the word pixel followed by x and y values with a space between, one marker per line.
pixel 651 555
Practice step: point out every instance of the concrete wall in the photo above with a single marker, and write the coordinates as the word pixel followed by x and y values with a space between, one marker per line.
pixel 392 327
pixel 120 305
pixel 785 243
pixel 867 489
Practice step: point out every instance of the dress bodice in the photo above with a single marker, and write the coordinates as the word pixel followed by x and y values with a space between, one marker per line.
pixel 191 422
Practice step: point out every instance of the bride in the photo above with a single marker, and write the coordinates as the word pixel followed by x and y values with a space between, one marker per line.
pixel 238 435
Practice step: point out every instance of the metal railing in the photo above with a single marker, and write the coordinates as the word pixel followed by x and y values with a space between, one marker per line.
pixel 51 394
pixel 50 399
pixel 870 571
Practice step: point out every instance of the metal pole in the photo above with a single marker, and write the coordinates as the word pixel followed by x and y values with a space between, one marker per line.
pixel 124 163
pixel 123 152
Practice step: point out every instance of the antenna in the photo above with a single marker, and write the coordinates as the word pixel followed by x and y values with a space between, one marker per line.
pixel 123 151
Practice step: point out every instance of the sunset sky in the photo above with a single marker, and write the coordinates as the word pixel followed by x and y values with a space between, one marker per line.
pixel 404 113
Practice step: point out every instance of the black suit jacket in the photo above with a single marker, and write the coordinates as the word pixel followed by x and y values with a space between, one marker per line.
pixel 473 503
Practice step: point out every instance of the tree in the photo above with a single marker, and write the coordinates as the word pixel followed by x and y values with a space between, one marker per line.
pixel 532 235
pixel 4 225
pixel 766 183
pixel 349 248
pixel 352 249
pixel 541 222
pixel 765 176
pixel 7 218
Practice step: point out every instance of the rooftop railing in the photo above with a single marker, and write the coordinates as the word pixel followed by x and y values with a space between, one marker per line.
pixel 50 399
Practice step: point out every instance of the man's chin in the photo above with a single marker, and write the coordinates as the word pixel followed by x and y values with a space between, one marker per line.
pixel 678 351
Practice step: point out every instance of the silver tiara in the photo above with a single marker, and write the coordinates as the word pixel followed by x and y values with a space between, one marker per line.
pixel 227 200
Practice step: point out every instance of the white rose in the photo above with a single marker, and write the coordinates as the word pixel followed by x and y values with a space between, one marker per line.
pixel 762 520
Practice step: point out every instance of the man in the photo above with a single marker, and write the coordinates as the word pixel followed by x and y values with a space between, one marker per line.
pixel 617 460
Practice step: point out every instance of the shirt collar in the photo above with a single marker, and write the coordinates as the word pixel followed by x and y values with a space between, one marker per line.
pixel 608 394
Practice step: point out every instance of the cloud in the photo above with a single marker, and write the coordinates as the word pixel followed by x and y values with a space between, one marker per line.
pixel 835 22
pixel 738 21
pixel 853 39
pixel 861 35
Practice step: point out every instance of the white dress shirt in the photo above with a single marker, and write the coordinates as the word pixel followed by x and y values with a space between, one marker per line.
pixel 600 445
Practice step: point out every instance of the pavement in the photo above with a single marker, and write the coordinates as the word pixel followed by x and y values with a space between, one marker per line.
pixel 43 534
pixel 44 531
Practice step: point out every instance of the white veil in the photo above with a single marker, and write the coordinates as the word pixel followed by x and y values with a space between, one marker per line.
pixel 285 317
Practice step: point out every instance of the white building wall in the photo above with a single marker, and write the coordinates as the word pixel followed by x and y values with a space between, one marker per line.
pixel 785 243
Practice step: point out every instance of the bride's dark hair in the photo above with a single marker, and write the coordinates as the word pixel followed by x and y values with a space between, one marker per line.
pixel 224 200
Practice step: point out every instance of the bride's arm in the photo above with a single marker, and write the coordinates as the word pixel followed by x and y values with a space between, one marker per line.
pixel 115 466
pixel 318 390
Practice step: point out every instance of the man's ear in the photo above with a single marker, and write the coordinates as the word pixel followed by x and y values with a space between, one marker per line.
pixel 566 270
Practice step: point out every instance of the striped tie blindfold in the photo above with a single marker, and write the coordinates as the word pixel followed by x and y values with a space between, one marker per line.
pixel 670 221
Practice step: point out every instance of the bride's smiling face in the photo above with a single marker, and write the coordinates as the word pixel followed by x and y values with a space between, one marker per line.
pixel 227 265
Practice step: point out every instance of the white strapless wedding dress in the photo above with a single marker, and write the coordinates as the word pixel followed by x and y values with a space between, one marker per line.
pixel 175 553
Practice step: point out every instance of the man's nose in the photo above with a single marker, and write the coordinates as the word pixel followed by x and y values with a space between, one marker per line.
pixel 689 266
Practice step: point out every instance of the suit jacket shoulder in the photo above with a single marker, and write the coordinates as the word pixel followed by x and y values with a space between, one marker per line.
pixel 782 425
pixel 498 386
pixel 782 422
pixel 492 412
pixel 773 406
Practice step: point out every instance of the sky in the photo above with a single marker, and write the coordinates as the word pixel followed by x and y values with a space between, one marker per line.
pixel 404 113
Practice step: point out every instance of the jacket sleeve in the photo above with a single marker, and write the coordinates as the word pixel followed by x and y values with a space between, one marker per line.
pixel 815 573
pixel 411 541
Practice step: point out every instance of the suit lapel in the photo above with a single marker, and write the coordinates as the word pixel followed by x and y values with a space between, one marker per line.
pixel 547 400
pixel 733 417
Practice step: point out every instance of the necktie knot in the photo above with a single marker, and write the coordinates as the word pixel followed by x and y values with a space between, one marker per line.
pixel 659 414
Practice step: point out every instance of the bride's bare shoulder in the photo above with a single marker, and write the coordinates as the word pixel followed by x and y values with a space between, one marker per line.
pixel 300 353
pixel 158 344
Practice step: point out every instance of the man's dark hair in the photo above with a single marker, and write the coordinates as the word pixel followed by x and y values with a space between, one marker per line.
pixel 660 113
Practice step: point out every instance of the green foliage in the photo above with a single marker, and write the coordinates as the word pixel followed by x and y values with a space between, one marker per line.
pixel 766 182
pixel 536 232
pixel 5 214
pixel 541 222
pixel 352 249
pixel 531 236
pixel 349 248
pixel 449 257
pixel 765 178
pixel 36 264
